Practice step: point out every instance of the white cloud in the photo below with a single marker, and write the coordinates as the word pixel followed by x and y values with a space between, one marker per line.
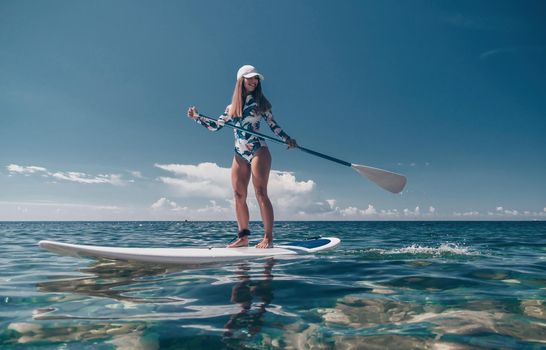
pixel 198 188
pixel 389 213
pixel 349 211
pixel 18 169
pixel 501 211
pixel 282 182
pixel 83 178
pixel 373 213
pixel 472 213
pixel 168 209
pixel 328 210
pixel 370 210
pixel 206 170
pixel 137 174
pixel 205 180
pixel 163 203
pixel 208 180
pixel 70 176
pixel 203 192
pixel 215 208
pixel 415 212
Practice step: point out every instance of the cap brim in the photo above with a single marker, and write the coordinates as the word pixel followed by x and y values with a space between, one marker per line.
pixel 253 74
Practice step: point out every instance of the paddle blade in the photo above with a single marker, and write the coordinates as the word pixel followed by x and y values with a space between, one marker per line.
pixel 385 179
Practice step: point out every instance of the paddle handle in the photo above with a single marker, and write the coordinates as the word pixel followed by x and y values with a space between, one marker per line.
pixel 307 150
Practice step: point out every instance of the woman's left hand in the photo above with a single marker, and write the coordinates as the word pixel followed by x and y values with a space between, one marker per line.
pixel 291 143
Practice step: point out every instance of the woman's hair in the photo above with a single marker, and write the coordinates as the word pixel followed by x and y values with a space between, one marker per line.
pixel 239 96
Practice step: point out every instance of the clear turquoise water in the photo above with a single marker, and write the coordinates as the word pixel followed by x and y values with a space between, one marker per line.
pixel 397 285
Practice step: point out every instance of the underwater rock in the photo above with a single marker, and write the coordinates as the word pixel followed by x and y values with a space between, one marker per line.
pixel 534 308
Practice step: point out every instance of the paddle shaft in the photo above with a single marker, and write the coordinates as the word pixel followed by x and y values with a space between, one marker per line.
pixel 307 150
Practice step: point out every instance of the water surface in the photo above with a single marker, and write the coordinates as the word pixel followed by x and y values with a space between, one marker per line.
pixel 444 285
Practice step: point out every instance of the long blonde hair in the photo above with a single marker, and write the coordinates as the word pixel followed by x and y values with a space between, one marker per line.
pixel 239 96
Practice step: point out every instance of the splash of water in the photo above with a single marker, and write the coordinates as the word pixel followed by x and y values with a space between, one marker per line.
pixel 416 249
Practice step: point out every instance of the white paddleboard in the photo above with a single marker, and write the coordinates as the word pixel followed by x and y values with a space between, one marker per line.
pixel 189 255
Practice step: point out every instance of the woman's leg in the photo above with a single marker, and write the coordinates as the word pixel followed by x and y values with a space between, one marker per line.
pixel 260 167
pixel 240 177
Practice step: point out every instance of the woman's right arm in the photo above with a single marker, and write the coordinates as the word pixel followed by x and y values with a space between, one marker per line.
pixel 208 123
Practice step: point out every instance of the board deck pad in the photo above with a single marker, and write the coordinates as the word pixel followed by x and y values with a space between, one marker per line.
pixel 311 243
pixel 192 255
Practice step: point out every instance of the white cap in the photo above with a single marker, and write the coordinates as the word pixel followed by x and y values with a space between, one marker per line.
pixel 248 71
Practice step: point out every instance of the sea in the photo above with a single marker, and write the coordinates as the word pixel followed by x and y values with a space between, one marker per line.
pixel 389 285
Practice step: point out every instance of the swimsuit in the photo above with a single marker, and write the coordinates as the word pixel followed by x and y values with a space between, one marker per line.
pixel 246 145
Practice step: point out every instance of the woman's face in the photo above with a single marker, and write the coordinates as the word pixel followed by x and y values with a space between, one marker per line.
pixel 251 84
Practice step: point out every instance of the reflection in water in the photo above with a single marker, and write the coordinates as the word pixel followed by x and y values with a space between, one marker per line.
pixel 115 310
pixel 249 320
pixel 113 279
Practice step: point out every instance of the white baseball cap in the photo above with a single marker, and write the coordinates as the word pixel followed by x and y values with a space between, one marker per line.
pixel 248 71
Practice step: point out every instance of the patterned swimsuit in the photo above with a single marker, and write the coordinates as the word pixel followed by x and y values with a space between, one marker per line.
pixel 246 145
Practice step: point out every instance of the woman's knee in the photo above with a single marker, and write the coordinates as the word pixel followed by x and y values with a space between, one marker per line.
pixel 239 194
pixel 261 193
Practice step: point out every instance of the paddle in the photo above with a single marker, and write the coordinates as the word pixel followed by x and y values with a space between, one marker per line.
pixel 385 179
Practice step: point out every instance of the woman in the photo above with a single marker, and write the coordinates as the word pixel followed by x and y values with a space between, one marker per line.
pixel 252 158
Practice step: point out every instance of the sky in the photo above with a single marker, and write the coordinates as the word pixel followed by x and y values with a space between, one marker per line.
pixel 93 97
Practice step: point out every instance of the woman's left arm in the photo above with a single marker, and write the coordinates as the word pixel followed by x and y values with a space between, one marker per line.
pixel 275 127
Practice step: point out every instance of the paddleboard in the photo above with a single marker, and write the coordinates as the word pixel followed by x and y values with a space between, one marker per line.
pixel 189 255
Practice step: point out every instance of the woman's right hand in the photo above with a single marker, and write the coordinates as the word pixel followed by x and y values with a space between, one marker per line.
pixel 193 113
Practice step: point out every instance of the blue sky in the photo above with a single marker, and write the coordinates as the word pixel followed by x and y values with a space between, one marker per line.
pixel 93 97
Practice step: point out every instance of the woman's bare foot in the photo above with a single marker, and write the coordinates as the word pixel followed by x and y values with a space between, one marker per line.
pixel 267 242
pixel 240 242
